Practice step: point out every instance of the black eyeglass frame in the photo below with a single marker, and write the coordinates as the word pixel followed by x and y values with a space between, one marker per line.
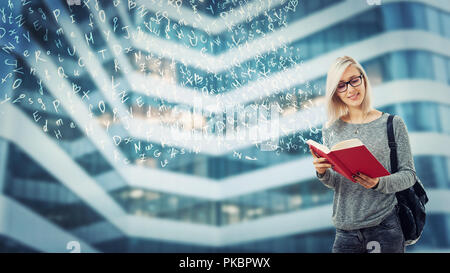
pixel 349 82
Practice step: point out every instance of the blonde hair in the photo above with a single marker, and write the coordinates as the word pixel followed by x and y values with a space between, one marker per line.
pixel 335 106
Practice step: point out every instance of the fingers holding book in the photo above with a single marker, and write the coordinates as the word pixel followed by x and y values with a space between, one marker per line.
pixel 313 154
pixel 366 181
pixel 321 164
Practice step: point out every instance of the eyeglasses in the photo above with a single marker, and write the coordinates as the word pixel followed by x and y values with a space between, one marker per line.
pixel 342 86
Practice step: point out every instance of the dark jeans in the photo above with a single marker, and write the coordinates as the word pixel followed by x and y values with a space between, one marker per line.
pixel 387 237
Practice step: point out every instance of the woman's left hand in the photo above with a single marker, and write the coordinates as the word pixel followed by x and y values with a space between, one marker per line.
pixel 366 181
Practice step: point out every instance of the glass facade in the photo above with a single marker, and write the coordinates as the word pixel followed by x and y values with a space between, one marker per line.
pixel 408 16
pixel 100 89
pixel 42 193
pixel 285 199
pixel 8 245
pixel 386 68
pixel 247 31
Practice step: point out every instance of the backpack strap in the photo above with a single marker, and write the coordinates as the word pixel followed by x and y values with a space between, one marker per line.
pixel 418 189
pixel 392 144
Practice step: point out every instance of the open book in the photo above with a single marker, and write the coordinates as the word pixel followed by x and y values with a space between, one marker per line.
pixel 349 157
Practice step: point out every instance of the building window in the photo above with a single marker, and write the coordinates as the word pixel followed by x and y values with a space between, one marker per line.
pixel 420 65
pixel 432 17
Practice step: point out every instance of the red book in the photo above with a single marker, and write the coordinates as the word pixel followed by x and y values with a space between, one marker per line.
pixel 349 157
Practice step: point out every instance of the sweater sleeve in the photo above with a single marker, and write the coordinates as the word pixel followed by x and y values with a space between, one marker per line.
pixel 328 178
pixel 406 173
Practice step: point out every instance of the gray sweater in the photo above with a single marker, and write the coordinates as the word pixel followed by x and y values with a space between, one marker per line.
pixel 354 206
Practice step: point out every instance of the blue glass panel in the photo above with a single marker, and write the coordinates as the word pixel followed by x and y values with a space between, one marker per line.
pixel 354 30
pixel 414 16
pixel 374 70
pixel 397 65
pixel 94 163
pixel 444 117
pixel 440 69
pixel 332 39
pixel 317 43
pixel 440 171
pixel 369 23
pixel 392 18
pixel 10 245
pixel 420 65
pixel 388 109
pixel 420 116
pixel 448 71
pixel 313 5
pixel 432 17
pixel 445 23
pixel 424 165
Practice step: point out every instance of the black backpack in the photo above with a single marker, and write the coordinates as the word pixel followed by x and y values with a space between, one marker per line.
pixel 411 201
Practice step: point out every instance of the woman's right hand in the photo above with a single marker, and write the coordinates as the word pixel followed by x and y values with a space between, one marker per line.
pixel 320 163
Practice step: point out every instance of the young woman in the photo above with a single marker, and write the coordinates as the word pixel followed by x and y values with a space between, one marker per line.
pixel 364 213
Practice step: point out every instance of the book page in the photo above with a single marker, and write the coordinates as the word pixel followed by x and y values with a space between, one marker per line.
pixel 319 146
pixel 360 159
pixel 354 142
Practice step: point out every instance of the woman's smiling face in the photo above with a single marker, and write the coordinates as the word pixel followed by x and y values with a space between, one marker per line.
pixel 353 96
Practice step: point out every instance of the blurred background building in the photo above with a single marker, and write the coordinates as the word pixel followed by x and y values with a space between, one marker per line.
pixel 91 93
